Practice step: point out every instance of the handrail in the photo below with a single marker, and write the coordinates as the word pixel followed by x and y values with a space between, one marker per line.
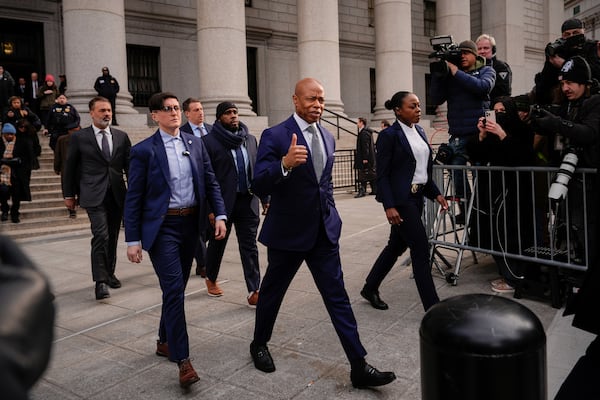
pixel 337 123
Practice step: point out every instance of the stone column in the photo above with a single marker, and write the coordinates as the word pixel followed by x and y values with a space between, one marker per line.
pixel 222 55
pixel 319 47
pixel 94 36
pixel 504 21
pixel 393 52
pixel 452 18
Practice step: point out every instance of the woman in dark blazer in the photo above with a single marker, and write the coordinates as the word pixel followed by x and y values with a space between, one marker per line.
pixel 404 165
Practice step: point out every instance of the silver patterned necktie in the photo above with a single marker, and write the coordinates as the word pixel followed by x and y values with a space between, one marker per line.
pixel 316 152
pixel 105 145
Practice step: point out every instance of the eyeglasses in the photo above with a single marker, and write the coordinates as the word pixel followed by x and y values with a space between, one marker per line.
pixel 170 108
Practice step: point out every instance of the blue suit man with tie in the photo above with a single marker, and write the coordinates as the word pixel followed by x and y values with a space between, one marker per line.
pixel 294 164
pixel 170 182
pixel 194 113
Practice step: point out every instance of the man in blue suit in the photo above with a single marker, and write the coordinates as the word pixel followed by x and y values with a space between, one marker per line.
pixel 294 164
pixel 170 182
pixel 194 113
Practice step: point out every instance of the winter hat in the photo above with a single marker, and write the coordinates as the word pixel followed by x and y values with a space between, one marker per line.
pixel 49 77
pixel 468 45
pixel 224 106
pixel 577 70
pixel 9 128
pixel 572 23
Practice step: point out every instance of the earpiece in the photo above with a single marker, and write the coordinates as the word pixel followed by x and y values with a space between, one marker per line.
pixel 493 49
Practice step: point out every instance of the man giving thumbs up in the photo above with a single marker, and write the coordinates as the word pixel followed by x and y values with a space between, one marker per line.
pixel 293 165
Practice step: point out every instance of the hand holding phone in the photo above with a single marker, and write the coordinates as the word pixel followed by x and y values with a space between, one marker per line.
pixel 490 115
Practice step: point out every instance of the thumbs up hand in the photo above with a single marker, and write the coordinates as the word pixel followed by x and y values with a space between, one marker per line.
pixel 296 155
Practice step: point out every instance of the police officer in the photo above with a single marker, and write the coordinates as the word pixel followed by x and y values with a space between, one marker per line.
pixel 62 114
pixel 107 86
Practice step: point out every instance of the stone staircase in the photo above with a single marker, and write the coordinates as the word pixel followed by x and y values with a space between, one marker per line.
pixel 46 217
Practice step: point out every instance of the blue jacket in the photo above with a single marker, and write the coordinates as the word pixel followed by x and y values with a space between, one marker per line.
pixel 467 94
pixel 396 166
pixel 148 194
pixel 299 203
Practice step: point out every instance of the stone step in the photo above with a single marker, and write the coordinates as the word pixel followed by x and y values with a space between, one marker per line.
pixel 38 212
pixel 44 186
pixel 43 203
pixel 52 192
pixel 49 228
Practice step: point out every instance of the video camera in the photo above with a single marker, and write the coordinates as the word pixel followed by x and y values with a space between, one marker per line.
pixel 536 110
pixel 444 49
pixel 566 48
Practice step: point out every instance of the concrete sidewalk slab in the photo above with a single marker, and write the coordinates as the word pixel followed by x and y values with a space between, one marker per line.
pixel 105 349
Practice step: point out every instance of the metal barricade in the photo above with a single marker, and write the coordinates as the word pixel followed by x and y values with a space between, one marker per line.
pixel 511 217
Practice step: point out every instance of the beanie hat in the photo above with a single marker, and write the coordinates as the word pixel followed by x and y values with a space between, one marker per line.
pixel 572 23
pixel 468 45
pixel 49 77
pixel 576 70
pixel 9 128
pixel 224 106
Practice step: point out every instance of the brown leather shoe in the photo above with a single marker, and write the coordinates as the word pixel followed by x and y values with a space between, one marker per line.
pixel 162 349
pixel 187 374
pixel 253 299
pixel 213 288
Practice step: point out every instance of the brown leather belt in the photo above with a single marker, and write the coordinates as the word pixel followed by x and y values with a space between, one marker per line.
pixel 182 212
pixel 416 187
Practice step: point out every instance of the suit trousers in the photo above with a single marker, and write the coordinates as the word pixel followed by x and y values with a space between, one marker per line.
pixel 246 221
pixel 172 255
pixel 324 263
pixel 409 234
pixel 105 221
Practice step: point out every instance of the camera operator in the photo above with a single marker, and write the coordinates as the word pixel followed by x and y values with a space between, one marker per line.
pixel 575 131
pixel 571 43
pixel 486 47
pixel 466 89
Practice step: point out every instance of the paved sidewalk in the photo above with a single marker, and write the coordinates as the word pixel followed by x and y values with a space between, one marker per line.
pixel 105 350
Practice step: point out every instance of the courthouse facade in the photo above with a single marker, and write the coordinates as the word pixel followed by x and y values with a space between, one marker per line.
pixel 252 52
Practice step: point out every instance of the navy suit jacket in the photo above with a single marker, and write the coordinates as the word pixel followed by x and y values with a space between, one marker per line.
pixel 148 194
pixel 299 204
pixel 396 166
pixel 187 128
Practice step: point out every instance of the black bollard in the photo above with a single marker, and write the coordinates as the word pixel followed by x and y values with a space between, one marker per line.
pixel 482 347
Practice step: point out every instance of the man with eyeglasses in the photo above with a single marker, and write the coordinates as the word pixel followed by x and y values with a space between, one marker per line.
pixel 170 185
pixel 107 86
pixel 97 158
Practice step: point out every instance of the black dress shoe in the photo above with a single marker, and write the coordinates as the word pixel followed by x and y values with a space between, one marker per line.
pixel 367 376
pixel 373 298
pixel 262 358
pixel 4 217
pixel 102 291
pixel 114 282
